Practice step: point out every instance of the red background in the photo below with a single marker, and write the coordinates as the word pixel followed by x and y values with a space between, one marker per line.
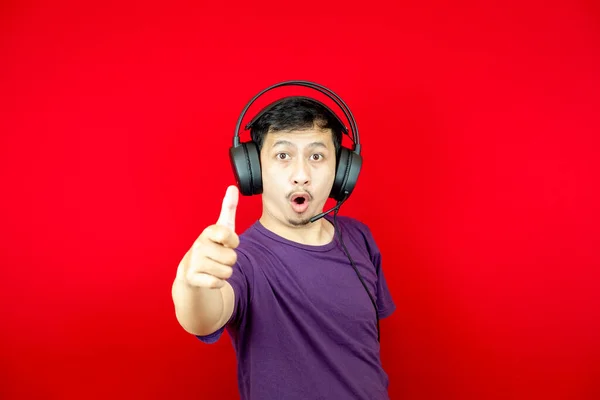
pixel 480 183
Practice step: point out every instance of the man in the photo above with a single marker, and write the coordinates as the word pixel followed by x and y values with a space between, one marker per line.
pixel 300 320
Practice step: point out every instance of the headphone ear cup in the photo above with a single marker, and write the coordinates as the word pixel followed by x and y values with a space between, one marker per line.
pixel 347 170
pixel 353 173
pixel 245 162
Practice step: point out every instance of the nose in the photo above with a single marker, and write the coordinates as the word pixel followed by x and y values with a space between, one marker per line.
pixel 301 173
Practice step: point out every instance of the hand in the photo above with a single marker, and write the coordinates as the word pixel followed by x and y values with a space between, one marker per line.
pixel 211 258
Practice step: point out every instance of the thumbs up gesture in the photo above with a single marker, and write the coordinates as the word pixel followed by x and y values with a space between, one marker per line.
pixel 212 256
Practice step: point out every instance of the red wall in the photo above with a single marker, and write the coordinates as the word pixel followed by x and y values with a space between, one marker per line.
pixel 480 126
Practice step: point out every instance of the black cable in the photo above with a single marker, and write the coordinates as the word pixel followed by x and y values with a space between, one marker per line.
pixel 339 230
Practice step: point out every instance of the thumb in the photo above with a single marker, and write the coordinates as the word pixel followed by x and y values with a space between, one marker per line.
pixel 230 202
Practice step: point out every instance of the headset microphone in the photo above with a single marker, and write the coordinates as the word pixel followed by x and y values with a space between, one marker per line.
pixel 319 216
pixel 335 208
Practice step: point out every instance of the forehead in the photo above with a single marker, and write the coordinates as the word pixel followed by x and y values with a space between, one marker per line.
pixel 300 137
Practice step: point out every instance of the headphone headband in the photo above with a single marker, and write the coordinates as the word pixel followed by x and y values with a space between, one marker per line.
pixel 320 88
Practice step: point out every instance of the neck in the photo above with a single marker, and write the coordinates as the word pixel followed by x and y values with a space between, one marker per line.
pixel 316 233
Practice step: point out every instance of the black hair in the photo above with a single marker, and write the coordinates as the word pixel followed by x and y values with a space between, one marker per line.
pixel 296 113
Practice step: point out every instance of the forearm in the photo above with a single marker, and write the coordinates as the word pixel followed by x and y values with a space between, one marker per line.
pixel 198 310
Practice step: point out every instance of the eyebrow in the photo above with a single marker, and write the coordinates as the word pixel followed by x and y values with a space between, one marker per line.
pixel 288 143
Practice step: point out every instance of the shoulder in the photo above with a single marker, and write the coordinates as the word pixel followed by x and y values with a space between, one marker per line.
pixel 253 246
pixel 358 231
pixel 252 239
pixel 353 225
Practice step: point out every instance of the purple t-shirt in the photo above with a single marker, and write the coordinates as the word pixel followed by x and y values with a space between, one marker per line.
pixel 303 326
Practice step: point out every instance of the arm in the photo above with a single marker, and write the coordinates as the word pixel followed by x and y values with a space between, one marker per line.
pixel 202 296
pixel 200 310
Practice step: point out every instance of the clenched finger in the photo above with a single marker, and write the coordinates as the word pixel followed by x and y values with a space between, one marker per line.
pixel 222 235
pixel 216 252
pixel 204 280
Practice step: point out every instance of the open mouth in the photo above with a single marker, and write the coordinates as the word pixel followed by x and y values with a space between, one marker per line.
pixel 300 202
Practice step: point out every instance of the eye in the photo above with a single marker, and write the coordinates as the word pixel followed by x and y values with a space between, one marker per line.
pixel 316 157
pixel 282 156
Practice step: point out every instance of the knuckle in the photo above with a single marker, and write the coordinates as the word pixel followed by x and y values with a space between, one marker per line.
pixel 197 248
pixel 195 260
pixel 215 233
pixel 190 277
pixel 203 280
pixel 199 266
pixel 231 257
pixel 228 272
pixel 205 233
pixel 221 235
pixel 234 240
pixel 211 231
pixel 214 282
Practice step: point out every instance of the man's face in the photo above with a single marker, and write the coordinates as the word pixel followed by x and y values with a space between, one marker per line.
pixel 298 169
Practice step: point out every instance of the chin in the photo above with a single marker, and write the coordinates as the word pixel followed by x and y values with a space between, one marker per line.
pixel 302 221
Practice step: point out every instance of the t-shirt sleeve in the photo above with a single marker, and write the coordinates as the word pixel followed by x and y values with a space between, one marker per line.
pixel 385 302
pixel 239 281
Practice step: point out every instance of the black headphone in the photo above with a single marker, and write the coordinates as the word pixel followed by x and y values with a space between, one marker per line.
pixel 245 157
